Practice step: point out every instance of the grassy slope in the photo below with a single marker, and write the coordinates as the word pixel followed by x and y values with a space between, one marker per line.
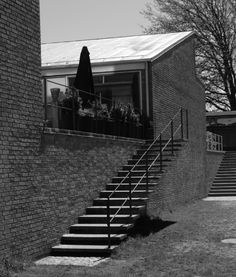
pixel 190 247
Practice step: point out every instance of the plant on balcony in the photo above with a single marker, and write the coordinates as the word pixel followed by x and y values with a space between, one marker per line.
pixel 68 106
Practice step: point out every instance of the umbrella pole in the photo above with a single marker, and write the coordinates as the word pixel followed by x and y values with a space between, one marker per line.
pixel 73 109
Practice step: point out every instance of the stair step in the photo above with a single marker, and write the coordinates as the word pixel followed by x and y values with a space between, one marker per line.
pixel 134 179
pixel 124 193
pixel 98 228
pixel 221 194
pixel 223 189
pixel 157 145
pixel 114 209
pixel 82 250
pixel 229 159
pixel 125 186
pixel 225 176
pixel 134 173
pixel 227 170
pixel 156 150
pixel 119 201
pixel 229 182
pixel 102 218
pixel 142 167
pixel 152 156
pixel 224 186
pixel 150 160
pixel 92 239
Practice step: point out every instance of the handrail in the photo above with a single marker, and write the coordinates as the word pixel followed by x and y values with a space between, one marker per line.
pixel 143 175
pixel 75 89
pixel 214 142
pixel 180 127
pixel 144 154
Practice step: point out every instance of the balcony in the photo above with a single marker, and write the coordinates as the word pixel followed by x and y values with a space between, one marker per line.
pixel 95 114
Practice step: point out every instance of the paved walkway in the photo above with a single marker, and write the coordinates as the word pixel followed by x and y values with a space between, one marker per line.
pixel 75 261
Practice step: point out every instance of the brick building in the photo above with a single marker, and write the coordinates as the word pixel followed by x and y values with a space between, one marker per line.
pixel 147 71
pixel 48 179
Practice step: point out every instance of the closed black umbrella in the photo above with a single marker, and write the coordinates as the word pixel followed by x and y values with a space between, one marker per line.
pixel 84 78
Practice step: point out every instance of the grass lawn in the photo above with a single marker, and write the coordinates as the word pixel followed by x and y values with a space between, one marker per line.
pixel 190 247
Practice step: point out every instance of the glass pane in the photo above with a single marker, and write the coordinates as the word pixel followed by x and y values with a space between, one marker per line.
pixel 97 79
pixel 120 92
pixel 119 77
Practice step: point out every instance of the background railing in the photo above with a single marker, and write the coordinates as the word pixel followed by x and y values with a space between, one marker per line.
pixel 170 132
pixel 93 116
pixel 214 142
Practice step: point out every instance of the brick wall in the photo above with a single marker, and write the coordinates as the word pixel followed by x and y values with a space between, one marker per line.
pixel 20 117
pixel 182 183
pixel 65 177
pixel 174 85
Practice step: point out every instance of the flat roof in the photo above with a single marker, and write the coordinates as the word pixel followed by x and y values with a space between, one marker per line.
pixel 107 50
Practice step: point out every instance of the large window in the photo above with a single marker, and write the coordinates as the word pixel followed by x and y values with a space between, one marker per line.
pixel 122 87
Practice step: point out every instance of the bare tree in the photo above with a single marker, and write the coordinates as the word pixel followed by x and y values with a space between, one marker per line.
pixel 214 22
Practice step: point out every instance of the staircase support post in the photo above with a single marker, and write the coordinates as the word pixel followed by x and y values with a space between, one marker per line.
pixel 130 194
pixel 146 159
pixel 187 132
pixel 108 222
pixel 182 126
pixel 172 137
pixel 73 110
pixel 160 144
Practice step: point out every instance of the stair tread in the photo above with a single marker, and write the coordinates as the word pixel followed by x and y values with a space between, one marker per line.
pixel 82 247
pixel 219 192
pixel 113 184
pixel 223 186
pixel 111 215
pixel 223 176
pixel 101 225
pixel 94 236
pixel 121 198
pixel 116 207
pixel 126 190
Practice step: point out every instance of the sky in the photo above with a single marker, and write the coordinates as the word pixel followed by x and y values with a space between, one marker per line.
pixel 65 20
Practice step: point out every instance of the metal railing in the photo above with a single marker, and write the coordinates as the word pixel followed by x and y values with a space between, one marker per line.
pixel 158 160
pixel 69 113
pixel 214 142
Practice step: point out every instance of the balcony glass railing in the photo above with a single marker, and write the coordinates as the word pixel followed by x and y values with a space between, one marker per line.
pixel 96 114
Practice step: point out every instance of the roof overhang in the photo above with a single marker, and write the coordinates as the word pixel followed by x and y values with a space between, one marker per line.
pixel 146 48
